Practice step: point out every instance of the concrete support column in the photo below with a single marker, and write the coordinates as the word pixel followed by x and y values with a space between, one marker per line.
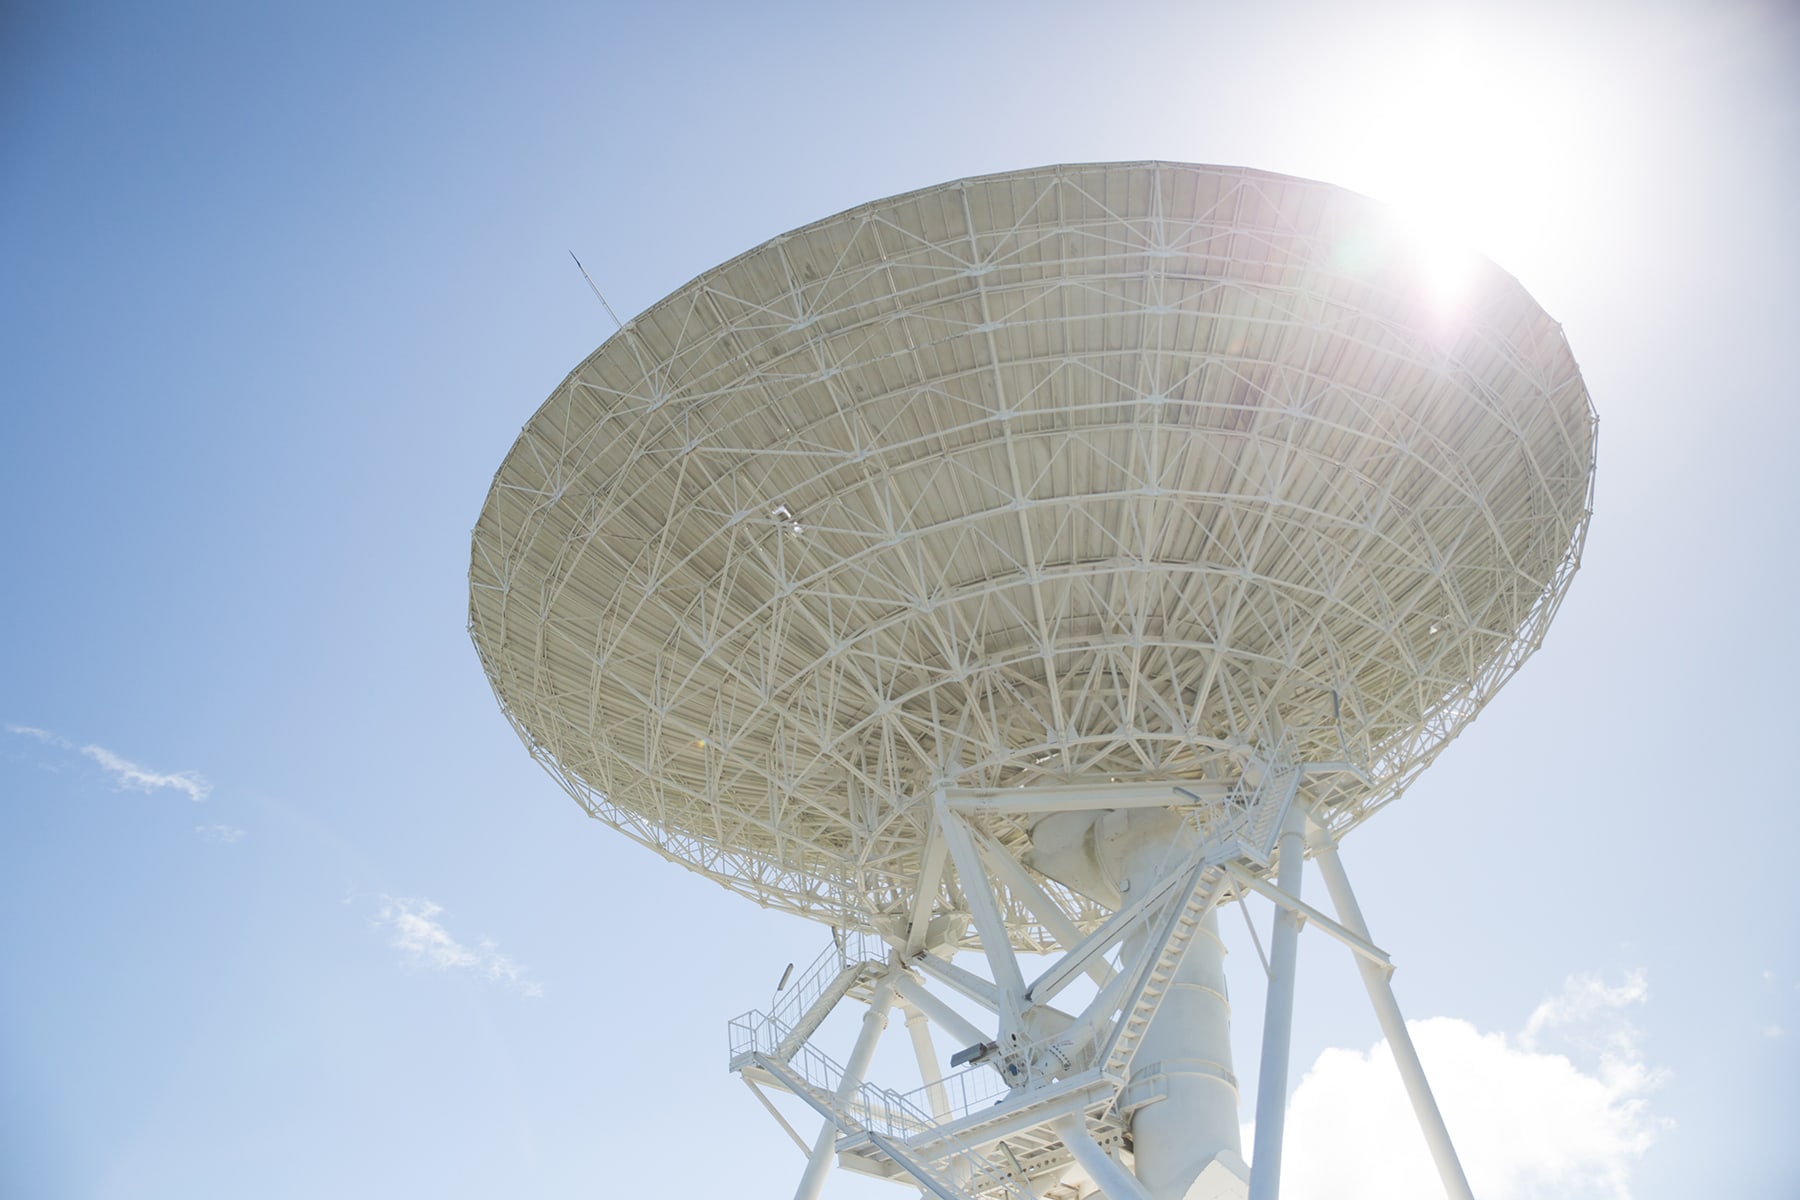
pixel 1189 1041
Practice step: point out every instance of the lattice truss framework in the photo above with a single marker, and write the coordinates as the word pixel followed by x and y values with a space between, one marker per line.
pixel 1128 471
pixel 998 1127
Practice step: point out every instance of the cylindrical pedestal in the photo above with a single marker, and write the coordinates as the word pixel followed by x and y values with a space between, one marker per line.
pixel 1189 1041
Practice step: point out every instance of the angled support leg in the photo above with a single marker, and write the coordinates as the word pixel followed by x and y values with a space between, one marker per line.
pixel 1007 869
pixel 1393 1025
pixel 818 1165
pixel 985 910
pixel 1112 1179
pixel 926 1053
pixel 965 1031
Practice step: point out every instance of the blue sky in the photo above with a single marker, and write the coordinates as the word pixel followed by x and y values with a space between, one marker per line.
pixel 281 287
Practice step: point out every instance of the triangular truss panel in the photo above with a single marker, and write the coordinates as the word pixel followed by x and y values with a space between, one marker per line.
pixel 1109 472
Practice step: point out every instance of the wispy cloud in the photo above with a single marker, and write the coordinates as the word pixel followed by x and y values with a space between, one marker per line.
pixel 125 773
pixel 131 776
pixel 1583 1010
pixel 1559 1109
pixel 222 834
pixel 415 931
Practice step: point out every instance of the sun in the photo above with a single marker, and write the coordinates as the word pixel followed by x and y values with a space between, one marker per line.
pixel 1482 146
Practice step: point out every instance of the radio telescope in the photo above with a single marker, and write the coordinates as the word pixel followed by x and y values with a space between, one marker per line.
pixel 1028 567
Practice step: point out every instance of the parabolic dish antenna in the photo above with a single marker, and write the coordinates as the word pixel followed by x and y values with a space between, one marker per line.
pixel 903 548
pixel 1126 471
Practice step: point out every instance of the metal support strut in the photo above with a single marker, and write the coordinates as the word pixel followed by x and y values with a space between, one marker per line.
pixel 1278 1019
pixel 818 1165
pixel 1393 1025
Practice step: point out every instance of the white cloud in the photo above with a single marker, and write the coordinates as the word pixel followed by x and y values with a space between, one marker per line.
pixel 412 920
pixel 1527 1119
pixel 125 773
pixel 223 834
pixel 128 774
pixel 1581 1008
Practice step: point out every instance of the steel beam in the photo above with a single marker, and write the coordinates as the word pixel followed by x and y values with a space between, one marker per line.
pixel 1393 1025
pixel 824 1150
pixel 1306 912
pixel 1064 969
pixel 967 982
pixel 990 923
pixel 1085 797
pixel 1112 1178
pixel 1019 882
pixel 1278 1020
pixel 949 1020
pixel 918 1028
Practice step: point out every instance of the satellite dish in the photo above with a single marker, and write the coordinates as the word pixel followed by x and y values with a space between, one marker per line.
pixel 950 567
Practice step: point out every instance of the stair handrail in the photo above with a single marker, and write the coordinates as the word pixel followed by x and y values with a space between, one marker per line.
pixel 848 948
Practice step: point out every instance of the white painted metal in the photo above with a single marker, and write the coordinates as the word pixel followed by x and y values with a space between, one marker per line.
pixel 994 568
pixel 1149 1056
pixel 1180 1049
pixel 818 1164
pixel 959 1027
pixel 1080 955
pixel 963 982
pixel 1012 875
pixel 781 1120
pixel 1307 914
pixel 1058 477
pixel 1278 1017
pixel 1083 797
pixel 1188 1043
pixel 1114 1180
pixel 930 1070
pixel 931 875
pixel 995 941
pixel 1393 1025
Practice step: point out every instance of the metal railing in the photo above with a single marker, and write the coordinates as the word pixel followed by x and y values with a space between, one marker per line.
pixel 893 1114
pixel 894 1120
pixel 759 1033
pixel 1246 822
pixel 896 1114
pixel 898 1119
pixel 848 948
pixel 966 1091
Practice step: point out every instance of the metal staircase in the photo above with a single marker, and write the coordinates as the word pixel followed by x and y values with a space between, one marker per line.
pixel 848 966
pixel 993 1140
pixel 1251 815
pixel 879 1128
pixel 1187 911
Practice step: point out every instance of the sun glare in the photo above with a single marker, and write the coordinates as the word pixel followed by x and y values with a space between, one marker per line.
pixel 1477 154
pixel 1444 260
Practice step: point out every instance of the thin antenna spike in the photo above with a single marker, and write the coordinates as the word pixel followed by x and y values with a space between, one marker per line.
pixel 602 299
